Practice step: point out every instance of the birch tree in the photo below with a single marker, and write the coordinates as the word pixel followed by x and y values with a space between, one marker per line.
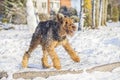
pixel 100 9
pixel 106 5
pixel 103 13
pixel 97 13
pixel 81 22
pixel 31 17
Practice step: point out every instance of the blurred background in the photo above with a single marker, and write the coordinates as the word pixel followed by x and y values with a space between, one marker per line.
pixel 88 13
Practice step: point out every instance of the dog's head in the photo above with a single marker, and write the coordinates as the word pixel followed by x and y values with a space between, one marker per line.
pixel 66 24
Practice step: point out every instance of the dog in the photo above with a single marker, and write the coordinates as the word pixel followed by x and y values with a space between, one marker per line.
pixel 49 34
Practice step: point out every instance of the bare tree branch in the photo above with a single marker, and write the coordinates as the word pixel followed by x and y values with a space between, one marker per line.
pixel 45 74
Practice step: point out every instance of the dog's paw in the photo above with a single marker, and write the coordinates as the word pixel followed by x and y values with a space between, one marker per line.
pixel 45 63
pixel 56 63
pixel 58 67
pixel 76 59
pixel 46 66
pixel 24 64
pixel 25 60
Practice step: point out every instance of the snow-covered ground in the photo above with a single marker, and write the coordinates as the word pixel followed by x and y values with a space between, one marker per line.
pixel 95 47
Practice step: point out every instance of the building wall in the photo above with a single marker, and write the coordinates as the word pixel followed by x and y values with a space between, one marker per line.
pixel 51 5
pixel 65 3
pixel 42 6
pixel 54 5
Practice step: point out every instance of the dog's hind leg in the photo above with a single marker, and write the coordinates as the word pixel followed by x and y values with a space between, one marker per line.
pixel 45 58
pixel 71 52
pixel 54 57
pixel 34 43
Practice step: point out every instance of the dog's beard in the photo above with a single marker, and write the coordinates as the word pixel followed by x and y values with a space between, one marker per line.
pixel 70 32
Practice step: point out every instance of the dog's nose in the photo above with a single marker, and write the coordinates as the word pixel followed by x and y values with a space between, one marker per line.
pixel 74 27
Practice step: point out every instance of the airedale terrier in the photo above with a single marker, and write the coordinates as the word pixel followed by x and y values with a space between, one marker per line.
pixel 49 34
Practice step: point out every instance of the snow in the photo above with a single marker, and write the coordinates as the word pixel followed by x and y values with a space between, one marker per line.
pixel 95 47
pixel 77 6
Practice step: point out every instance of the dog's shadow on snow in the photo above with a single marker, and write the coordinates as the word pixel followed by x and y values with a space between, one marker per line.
pixel 32 66
pixel 35 66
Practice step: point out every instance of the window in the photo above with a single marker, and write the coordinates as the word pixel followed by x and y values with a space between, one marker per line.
pixel 44 5
pixel 58 5
pixel 51 4
pixel 55 5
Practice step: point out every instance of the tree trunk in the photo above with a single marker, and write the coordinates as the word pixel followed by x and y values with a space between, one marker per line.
pixel 97 13
pixel 103 13
pixel 80 17
pixel 81 23
pixel 100 9
pixel 93 14
pixel 31 17
pixel 88 12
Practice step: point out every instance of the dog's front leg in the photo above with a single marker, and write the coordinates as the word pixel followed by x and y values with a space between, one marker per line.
pixel 54 57
pixel 70 51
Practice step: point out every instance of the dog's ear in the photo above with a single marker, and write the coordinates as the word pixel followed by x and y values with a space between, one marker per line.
pixel 60 17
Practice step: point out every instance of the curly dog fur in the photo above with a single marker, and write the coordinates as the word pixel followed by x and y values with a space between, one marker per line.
pixel 49 34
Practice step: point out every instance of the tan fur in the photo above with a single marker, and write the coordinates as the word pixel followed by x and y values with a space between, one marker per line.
pixel 67 28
